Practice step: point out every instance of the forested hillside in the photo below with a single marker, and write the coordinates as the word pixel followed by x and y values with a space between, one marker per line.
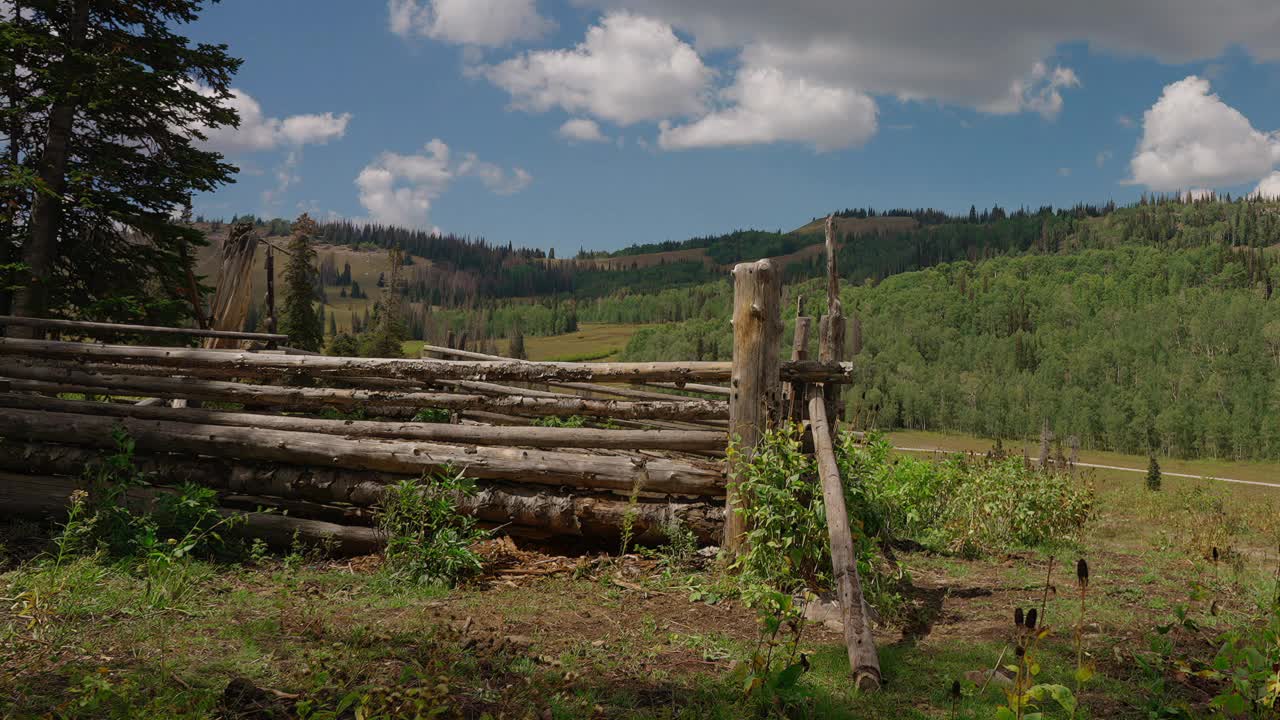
pixel 1147 328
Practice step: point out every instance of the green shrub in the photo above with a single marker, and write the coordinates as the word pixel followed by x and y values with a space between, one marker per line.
pixel 102 518
pixel 787 547
pixel 960 505
pixel 428 538
pixel 971 506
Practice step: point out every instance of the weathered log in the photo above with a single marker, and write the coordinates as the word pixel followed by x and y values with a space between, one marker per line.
pixel 831 327
pixel 793 399
pixel 755 403
pixel 864 663
pixel 342 495
pixel 208 363
pixel 24 494
pixel 589 387
pixel 95 328
pixel 64 378
pixel 543 437
pixel 610 471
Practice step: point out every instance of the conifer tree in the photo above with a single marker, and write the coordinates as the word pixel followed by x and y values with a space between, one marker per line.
pixel 386 337
pixel 299 319
pixel 95 159
pixel 1153 474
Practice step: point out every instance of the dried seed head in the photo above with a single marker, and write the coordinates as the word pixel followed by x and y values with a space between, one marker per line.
pixel 1082 572
pixel 1019 651
pixel 1215 554
pixel 1017 617
pixel 1031 619
pixel 955 689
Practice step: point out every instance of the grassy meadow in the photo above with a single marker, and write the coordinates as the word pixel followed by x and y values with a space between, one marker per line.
pixel 590 636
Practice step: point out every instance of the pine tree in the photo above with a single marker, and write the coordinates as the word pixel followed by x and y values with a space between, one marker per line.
pixel 333 324
pixel 1153 474
pixel 386 337
pixel 94 161
pixel 299 319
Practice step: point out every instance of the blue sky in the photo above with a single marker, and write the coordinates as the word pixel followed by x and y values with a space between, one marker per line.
pixel 602 123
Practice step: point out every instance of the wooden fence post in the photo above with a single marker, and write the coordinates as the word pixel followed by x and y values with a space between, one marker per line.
pixel 793 393
pixel 271 294
pixel 831 326
pixel 755 399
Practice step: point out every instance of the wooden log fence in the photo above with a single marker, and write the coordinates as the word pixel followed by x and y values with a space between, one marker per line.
pixel 538 437
pixel 67 379
pixel 544 467
pixel 102 328
pixel 347 495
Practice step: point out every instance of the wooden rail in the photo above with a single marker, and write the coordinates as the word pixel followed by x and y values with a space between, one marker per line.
pixel 93 328
pixel 541 437
pixel 221 363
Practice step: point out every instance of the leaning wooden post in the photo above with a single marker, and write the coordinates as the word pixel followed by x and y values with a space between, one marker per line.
pixel 864 663
pixel 755 387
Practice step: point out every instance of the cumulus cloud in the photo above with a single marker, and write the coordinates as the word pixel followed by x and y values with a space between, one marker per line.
pixel 1038 91
pixel 768 106
pixel 582 130
pixel 258 132
pixel 490 23
pixel 966 53
pixel 1190 137
pixel 628 69
pixel 400 189
pixel 1269 188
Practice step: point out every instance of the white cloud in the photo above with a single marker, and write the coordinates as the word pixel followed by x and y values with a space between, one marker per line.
pixel 1125 121
pixel 1198 194
pixel 285 178
pixel 960 53
pixel 495 178
pixel 768 106
pixel 400 189
pixel 1102 158
pixel 491 23
pixel 1038 91
pixel 1190 137
pixel 259 132
pixel 582 130
pixel 628 69
pixel 1269 188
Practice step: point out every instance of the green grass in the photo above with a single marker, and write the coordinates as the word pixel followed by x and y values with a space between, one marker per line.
pixel 592 341
pixel 79 641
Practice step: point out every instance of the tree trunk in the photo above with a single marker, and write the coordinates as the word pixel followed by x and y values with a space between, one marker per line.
pixel 864 663
pixel 342 494
pixel 62 378
pixel 543 437
pixel 605 471
pixel 756 401
pixel 40 251
pixel 218 363
pixel 23 494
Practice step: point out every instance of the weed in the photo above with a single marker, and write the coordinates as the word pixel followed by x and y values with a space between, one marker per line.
pixel 428 538
pixel 681 545
pixel 432 415
pixel 573 421
pixel 629 518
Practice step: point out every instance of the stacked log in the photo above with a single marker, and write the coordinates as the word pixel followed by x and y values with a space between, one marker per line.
pixel 345 497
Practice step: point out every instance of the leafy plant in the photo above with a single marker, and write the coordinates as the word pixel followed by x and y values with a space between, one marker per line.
pixel 573 421
pixel 428 538
pixel 771 675
pixel 432 415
